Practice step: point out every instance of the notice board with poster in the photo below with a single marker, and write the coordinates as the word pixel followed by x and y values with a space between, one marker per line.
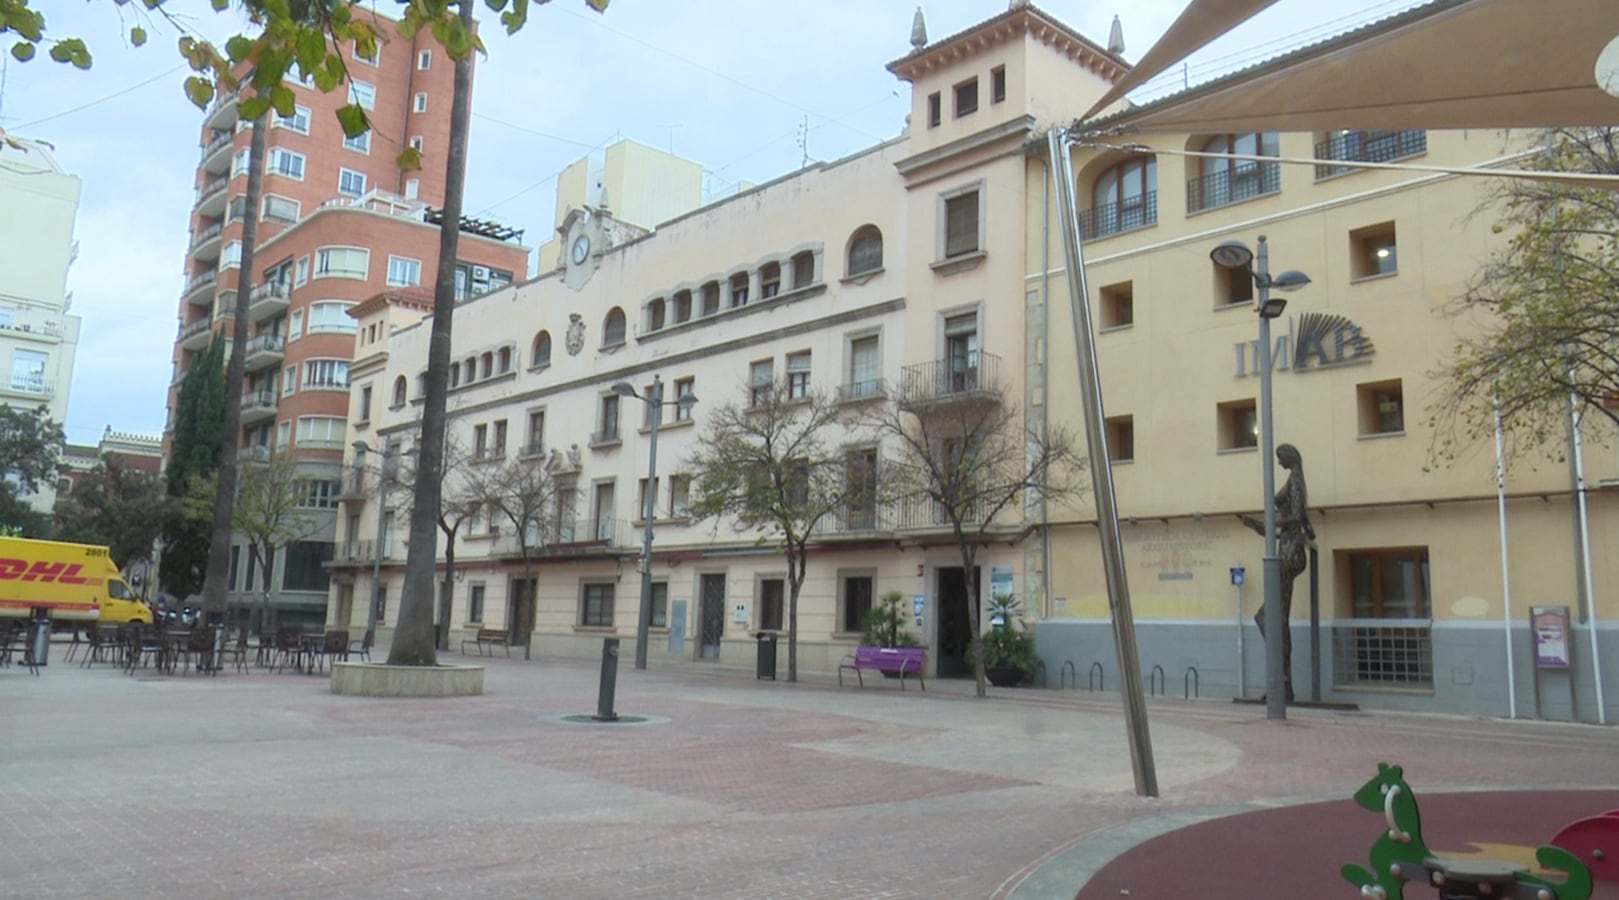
pixel 1553 641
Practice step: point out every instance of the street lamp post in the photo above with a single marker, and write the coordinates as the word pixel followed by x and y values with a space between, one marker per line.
pixel 655 405
pixel 1236 255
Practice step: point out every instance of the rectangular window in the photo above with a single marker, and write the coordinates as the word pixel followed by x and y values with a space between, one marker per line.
pixel 961 224
pixel 419 104
pixel 856 602
pixel 1233 286
pixel 283 210
pixel 641 500
pixel 1372 251
pixel 684 387
pixel 772 596
pixel 283 435
pixel 761 376
pixel 360 143
pixel 371 60
pixel 331 317
pixel 298 121
pixel 326 373
pixel 363 94
pixel 679 496
pixel 363 414
pixel 499 446
pixel 1382 407
pixel 424 60
pixel 480 441
pixel 997 84
pixel 649 412
pixel 413 188
pixel 934 107
pixel 403 272
pixel 860 479
pixel 536 434
pixel 417 143
pixel 1387 584
pixel 343 262
pixel 235 563
pixel 865 369
pixel 239 162
pixel 350 182
pixel 319 493
pixel 301 272
pixel 295 325
pixel 798 375
pixel 1118 307
pixel 231 255
pixel 596 606
pixel 966 94
pixel 321 432
pixel 1121 438
pixel 1238 425
pixel 660 604
pixel 28 370
pixel 607 428
pixel 252 569
pixel 289 381
pixel 306 566
pixel 285 163
pixel 475 604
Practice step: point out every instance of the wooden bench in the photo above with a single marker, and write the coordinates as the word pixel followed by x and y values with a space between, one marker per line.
pixel 489 638
pixel 901 661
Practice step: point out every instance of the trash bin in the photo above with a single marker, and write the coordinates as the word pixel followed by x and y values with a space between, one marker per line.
pixel 39 638
pixel 767 656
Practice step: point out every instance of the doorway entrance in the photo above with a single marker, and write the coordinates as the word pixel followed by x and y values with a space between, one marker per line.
pixel 711 615
pixel 955 628
pixel 520 611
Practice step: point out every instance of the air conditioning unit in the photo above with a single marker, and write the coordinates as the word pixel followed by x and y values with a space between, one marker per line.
pixel 480 273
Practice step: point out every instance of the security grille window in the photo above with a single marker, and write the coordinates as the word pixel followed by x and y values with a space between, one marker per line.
pixel 772 591
pixel 596 606
pixel 1388 641
pixel 403 272
pixel 350 183
pixel 331 317
pixel 306 566
pixel 798 375
pixel 961 224
pixel 856 602
pixel 326 373
pixel 342 262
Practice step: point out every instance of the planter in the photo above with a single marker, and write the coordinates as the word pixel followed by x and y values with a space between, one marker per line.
pixel 1004 676
pixel 382 680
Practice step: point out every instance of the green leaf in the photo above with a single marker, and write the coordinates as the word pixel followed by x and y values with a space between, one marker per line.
pixel 311 49
pixel 221 5
pixel 137 35
pixel 22 51
pixel 597 5
pixel 254 107
pixel 238 48
pixel 411 159
pixel 284 100
pixel 352 118
pixel 199 90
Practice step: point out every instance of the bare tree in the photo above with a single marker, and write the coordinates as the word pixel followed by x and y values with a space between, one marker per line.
pixel 766 465
pixel 1550 303
pixel 958 455
pixel 460 501
pixel 270 513
pixel 523 492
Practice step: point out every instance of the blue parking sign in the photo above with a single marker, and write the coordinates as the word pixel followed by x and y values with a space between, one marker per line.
pixel 1238 575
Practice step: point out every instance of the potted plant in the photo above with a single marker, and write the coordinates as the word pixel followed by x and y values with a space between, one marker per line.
pixel 1009 657
pixel 884 626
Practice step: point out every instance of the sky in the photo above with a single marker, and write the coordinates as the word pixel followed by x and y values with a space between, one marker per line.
pixel 746 88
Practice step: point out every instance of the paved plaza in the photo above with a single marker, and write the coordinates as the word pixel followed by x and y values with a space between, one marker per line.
pixel 267 785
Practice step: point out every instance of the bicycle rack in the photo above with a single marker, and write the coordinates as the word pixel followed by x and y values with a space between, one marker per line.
pixel 1155 681
pixel 1096 677
pixel 1040 666
pixel 1189 682
pixel 1067 670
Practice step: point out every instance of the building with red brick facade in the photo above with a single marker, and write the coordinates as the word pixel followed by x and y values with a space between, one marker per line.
pixel 340 221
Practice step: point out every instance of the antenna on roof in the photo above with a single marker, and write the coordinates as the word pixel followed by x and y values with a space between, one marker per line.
pixel 803 141
pixel 919 30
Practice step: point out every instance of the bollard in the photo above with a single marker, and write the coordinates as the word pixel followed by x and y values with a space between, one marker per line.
pixel 609 682
pixel 38 650
pixel 216 653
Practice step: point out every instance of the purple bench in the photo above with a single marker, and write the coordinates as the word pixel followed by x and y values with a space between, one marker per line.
pixel 901 661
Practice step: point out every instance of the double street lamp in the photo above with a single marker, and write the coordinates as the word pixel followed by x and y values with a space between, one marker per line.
pixel 654 401
pixel 1236 255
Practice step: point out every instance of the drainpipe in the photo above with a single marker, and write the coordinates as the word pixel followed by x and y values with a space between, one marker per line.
pixel 1045 368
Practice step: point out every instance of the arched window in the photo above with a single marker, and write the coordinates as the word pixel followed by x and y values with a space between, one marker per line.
pixel 865 250
pixel 769 280
pixel 503 361
pixel 455 379
pixel 488 364
pixel 469 370
pixel 655 315
pixel 803 269
pixel 542 349
pixel 613 328
pixel 400 387
pixel 1124 197
pixel 1226 181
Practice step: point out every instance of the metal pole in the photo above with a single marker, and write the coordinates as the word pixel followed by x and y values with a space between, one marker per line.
pixel 1585 553
pixel 643 625
pixel 1107 514
pixel 1275 660
pixel 1242 675
pixel 1506 566
pixel 1315 624
pixel 608 686
pixel 376 550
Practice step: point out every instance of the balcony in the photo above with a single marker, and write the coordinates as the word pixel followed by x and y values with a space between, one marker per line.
pixel 211 197
pixel 1117 218
pixel 195 335
pixel 923 514
pixel 205 243
pixel 357 488
pixel 856 521
pixel 264 351
pixel 216 155
pixel 576 538
pixel 259 406
pixel 946 382
pixel 30 384
pixel 199 291
pixel 222 114
pixel 857 391
pixel 253 453
pixel 267 300
pixel 1240 181
pixel 1368 146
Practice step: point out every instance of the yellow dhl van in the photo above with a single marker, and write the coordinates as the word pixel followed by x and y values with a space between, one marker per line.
pixel 79 583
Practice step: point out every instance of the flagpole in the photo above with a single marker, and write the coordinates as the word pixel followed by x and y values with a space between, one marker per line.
pixel 1506 565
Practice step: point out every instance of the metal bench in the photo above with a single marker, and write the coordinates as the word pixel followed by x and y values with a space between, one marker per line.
pixel 488 638
pixel 901 661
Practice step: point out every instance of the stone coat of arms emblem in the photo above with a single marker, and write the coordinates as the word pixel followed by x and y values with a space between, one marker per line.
pixel 576 334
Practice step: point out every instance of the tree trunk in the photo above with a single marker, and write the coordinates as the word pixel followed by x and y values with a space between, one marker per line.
pixel 219 537
pixel 795 580
pixel 446 589
pixel 413 638
pixel 526 604
pixel 974 614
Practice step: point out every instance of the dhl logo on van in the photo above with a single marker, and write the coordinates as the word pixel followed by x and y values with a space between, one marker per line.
pixel 22 570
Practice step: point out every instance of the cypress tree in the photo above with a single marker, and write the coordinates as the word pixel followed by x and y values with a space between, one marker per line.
pixel 198 431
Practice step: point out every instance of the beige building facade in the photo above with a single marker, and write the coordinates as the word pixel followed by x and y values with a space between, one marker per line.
pixel 941 252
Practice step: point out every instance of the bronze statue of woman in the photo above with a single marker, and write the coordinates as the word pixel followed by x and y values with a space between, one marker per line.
pixel 1294 535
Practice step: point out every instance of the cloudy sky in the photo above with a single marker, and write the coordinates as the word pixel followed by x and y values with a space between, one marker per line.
pixel 728 83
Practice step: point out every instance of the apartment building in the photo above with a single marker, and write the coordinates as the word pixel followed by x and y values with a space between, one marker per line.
pixel 38 336
pixel 937 258
pixel 340 222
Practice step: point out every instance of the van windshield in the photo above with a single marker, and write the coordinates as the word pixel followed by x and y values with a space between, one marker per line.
pixel 117 590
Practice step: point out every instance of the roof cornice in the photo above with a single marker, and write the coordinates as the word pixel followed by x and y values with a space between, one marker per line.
pixel 1008 26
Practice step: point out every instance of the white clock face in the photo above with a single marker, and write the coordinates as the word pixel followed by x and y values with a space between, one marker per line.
pixel 581 249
